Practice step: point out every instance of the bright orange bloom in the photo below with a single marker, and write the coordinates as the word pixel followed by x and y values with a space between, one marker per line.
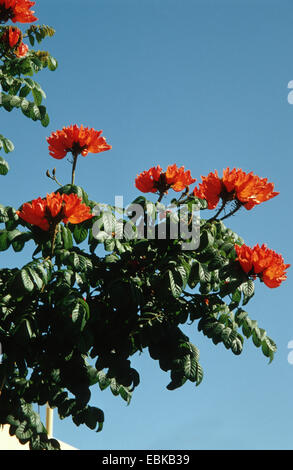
pixel 261 261
pixel 155 180
pixel 21 51
pixel 74 210
pixel 13 36
pixel 177 178
pixel 244 256
pixel 77 140
pixel 34 213
pixel 147 181
pixel 247 188
pixel 53 209
pixel 210 189
pixel 16 11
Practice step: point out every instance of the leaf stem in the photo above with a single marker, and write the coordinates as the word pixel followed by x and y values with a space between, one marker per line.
pixel 75 155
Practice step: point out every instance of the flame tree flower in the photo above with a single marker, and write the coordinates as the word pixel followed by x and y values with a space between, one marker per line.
pixel 246 189
pixel 16 11
pixel 47 213
pixel 76 140
pixel 21 51
pixel 263 262
pixel 155 180
pixel 12 37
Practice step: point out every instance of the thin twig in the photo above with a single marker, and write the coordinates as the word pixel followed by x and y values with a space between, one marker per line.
pixel 232 212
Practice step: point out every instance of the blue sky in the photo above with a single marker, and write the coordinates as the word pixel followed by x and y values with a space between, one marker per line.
pixel 204 84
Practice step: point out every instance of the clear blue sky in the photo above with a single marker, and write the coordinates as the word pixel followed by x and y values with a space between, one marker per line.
pixel 204 84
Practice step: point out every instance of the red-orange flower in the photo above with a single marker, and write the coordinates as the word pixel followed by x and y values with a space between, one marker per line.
pixel 77 140
pixel 147 181
pixel 16 11
pixel 247 188
pixel 210 189
pixel 12 37
pixel 155 180
pixel 21 50
pixel 53 209
pixel 263 262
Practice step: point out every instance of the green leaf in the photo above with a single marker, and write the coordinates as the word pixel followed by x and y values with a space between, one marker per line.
pixel 44 270
pixel 25 90
pixel 45 121
pixel 15 101
pixel 237 344
pixel 35 277
pixel 93 375
pixel 6 144
pixel 12 420
pixel 217 262
pixel 204 273
pixel 74 260
pixel 37 96
pixel 4 167
pixel 19 242
pixel 109 244
pixel 175 283
pixel 240 316
pixel 24 105
pixel 31 39
pixel 248 290
pixel 269 348
pixel 66 237
pixel 93 416
pixel 190 368
pixel 80 313
pixel 236 296
pixel 80 233
pixel 114 386
pixel 125 394
pixel 13 234
pixel 52 63
pixel 34 112
pixel 4 241
pixel 104 381
pixel 206 240
pixel 26 280
pixel 22 432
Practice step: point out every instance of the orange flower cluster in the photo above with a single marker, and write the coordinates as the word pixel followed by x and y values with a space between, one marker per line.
pixel 262 261
pixel 77 140
pixel 247 188
pixel 12 37
pixel 53 209
pixel 155 180
pixel 16 11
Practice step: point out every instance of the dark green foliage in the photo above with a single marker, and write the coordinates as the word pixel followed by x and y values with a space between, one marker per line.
pixel 59 314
